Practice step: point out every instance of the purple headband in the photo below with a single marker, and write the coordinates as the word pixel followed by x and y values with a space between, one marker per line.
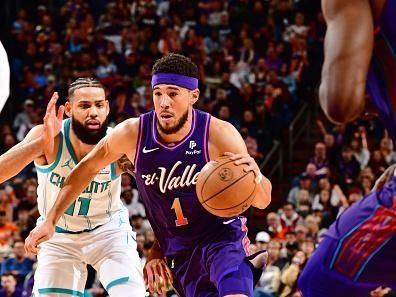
pixel 187 82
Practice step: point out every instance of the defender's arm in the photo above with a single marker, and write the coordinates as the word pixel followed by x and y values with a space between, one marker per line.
pixel 111 148
pixel 348 49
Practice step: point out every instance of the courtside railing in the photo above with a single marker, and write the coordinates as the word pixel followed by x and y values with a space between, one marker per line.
pixel 273 162
pixel 298 127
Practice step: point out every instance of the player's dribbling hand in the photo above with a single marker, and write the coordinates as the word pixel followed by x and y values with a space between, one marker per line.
pixel 245 159
pixel 52 121
pixel 157 275
pixel 39 234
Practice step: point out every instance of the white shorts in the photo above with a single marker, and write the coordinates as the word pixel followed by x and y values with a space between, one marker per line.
pixel 110 249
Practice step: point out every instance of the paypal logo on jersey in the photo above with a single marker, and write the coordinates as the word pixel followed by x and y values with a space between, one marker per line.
pixel 192 146
pixel 168 181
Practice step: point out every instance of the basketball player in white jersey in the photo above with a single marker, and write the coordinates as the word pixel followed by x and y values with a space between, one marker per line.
pixel 4 77
pixel 94 229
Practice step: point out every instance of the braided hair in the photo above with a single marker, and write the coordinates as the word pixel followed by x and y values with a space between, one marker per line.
pixel 83 82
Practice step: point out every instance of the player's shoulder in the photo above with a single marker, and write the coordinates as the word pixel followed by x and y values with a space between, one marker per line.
pixel 128 128
pixel 220 128
pixel 129 124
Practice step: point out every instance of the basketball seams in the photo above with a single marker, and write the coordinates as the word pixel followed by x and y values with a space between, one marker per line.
pixel 251 195
pixel 225 188
pixel 206 179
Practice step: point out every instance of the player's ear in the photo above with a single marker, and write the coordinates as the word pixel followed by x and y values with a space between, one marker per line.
pixel 68 111
pixel 107 107
pixel 194 96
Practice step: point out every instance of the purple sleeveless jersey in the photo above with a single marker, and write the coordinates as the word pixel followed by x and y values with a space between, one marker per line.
pixel 381 80
pixel 166 177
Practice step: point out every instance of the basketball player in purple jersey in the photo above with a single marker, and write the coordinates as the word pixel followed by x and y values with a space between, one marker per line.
pixel 206 255
pixel 358 252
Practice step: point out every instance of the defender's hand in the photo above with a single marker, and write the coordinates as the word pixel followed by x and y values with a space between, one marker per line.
pixel 39 234
pixel 157 275
pixel 52 121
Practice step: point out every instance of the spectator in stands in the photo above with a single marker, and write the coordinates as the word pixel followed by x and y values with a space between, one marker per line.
pixel 386 148
pixel 7 229
pixel 9 289
pixel 348 168
pixel 303 198
pixel 274 227
pixel 305 183
pixel 269 282
pixel 289 218
pixel 30 199
pixel 378 163
pixel 320 159
pixel 262 240
pixel 323 203
pixel 312 224
pixel 366 180
pixel 140 241
pixel 6 203
pixel 22 118
pixel 251 145
pixel 290 274
pixel 354 194
pixel 130 197
pixel 20 265
pixel 25 222
pixel 139 224
pixel 297 30
pixel 301 234
pixel 308 247
pixel 359 148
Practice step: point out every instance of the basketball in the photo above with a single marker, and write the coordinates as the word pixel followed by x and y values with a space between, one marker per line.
pixel 225 189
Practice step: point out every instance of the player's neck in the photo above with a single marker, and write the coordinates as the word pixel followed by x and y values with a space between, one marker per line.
pixel 80 148
pixel 179 135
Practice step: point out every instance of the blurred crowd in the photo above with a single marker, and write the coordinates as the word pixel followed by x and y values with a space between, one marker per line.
pixel 259 61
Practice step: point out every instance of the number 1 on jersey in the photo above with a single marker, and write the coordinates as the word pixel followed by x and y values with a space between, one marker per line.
pixel 180 219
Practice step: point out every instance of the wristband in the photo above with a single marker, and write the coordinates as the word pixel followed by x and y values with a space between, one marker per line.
pixel 258 179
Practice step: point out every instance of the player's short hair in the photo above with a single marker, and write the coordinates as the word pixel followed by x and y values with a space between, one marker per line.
pixel 83 82
pixel 18 241
pixel 176 63
pixel 9 273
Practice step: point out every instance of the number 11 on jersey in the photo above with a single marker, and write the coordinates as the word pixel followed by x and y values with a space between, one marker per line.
pixel 180 219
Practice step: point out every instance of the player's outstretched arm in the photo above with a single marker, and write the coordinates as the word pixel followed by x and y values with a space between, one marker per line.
pixel 224 139
pixel 109 149
pixel 120 141
pixel 40 141
pixel 19 156
pixel 348 49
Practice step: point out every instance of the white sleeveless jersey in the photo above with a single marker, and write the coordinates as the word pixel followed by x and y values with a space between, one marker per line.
pixel 96 205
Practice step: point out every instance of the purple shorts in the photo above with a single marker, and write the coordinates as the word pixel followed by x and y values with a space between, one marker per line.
pixel 215 267
pixel 358 253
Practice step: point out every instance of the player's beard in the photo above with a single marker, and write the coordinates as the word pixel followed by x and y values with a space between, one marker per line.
pixel 180 124
pixel 88 136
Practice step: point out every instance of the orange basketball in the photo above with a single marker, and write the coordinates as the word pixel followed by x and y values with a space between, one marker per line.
pixel 224 189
